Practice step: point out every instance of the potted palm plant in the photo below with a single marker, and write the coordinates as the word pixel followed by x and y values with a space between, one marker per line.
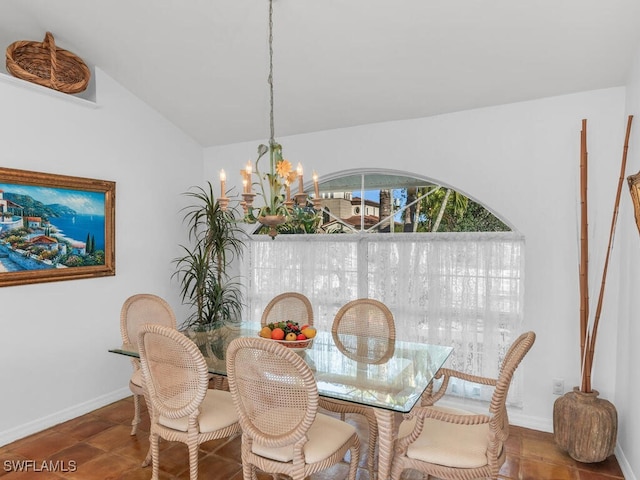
pixel 205 281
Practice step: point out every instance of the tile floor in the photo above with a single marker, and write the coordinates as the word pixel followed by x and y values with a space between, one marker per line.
pixel 97 446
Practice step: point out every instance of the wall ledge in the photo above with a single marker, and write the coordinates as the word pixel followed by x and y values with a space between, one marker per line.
pixel 85 99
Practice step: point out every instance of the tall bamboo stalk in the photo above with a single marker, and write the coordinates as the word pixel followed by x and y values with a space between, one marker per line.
pixel 588 365
pixel 584 246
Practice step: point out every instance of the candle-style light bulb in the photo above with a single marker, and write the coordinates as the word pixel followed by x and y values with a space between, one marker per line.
pixel 300 180
pixel 248 169
pixel 223 183
pixel 316 188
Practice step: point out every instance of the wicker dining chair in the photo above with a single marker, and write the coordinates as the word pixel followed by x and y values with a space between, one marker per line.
pixel 184 409
pixel 135 312
pixel 449 443
pixel 363 330
pixel 288 306
pixel 276 397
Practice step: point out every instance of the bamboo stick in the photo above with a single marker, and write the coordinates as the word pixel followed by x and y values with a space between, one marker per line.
pixel 616 207
pixel 584 244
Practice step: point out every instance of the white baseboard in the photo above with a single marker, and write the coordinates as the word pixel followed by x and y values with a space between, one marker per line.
pixel 624 464
pixel 35 426
pixel 529 421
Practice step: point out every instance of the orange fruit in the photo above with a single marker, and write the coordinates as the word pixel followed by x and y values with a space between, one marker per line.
pixel 309 332
pixel 291 337
pixel 265 332
pixel 277 334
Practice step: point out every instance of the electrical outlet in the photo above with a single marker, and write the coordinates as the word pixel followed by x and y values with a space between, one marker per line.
pixel 558 386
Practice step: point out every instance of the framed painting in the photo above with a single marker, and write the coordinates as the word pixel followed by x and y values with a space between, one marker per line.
pixel 55 227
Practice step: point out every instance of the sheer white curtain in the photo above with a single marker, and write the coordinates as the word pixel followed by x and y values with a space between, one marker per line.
pixel 458 289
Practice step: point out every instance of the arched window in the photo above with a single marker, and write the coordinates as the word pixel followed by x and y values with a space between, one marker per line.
pixel 461 287
pixel 392 202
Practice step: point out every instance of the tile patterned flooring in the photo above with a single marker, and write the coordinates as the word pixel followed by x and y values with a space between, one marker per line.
pixel 97 446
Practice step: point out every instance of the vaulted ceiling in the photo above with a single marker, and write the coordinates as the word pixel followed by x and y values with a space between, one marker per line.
pixel 203 64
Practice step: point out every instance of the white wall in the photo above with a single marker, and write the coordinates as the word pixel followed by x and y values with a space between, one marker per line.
pixel 628 354
pixel 521 160
pixel 54 337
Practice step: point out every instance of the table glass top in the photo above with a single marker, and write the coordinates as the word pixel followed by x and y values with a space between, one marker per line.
pixel 393 377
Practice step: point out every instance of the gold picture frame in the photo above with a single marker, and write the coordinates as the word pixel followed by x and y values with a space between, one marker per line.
pixel 634 188
pixel 55 227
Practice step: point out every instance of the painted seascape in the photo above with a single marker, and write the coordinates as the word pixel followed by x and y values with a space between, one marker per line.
pixel 45 228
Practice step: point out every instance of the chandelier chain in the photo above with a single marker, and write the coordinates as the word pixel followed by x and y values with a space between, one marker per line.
pixel 271 121
pixel 274 185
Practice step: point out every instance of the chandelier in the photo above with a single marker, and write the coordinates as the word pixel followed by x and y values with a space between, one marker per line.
pixel 274 184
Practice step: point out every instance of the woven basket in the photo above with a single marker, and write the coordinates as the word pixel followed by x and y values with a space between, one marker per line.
pixel 295 344
pixel 45 64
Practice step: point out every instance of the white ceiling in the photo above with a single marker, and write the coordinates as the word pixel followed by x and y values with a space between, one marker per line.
pixel 203 64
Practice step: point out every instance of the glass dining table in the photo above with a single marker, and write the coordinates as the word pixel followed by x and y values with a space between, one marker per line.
pixel 389 383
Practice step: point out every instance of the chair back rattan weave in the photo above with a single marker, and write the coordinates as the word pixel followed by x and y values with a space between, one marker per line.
pixel 276 397
pixel 175 372
pixel 140 309
pixel 364 330
pixel 274 391
pixel 288 306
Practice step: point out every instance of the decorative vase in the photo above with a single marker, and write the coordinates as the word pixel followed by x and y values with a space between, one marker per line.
pixel 585 426
pixel 272 221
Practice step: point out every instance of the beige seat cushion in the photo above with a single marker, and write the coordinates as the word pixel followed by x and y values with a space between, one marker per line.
pixel 216 411
pixel 442 443
pixel 326 435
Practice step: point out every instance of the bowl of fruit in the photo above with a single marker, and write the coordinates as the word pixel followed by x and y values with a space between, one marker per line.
pixel 290 334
